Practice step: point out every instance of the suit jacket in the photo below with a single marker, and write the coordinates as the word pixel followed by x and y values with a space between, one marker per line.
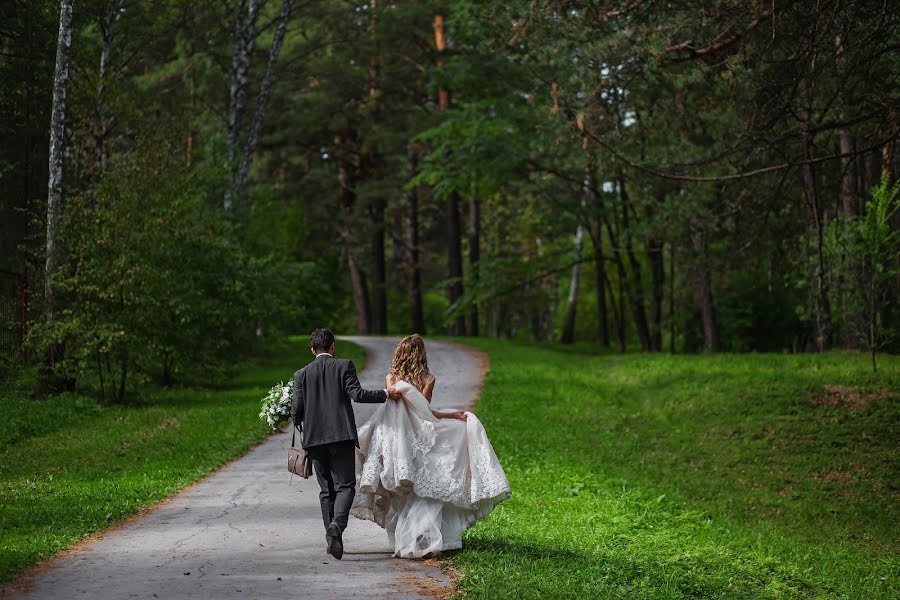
pixel 321 407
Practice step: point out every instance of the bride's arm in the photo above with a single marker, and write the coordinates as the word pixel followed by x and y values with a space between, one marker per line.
pixel 429 389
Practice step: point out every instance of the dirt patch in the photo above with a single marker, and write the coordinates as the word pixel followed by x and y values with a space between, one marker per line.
pixel 851 398
pixel 428 585
pixel 843 476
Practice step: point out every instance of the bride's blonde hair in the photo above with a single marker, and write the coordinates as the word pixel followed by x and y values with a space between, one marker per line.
pixel 410 363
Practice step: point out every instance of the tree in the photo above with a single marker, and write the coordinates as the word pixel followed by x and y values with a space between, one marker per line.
pixel 244 38
pixel 54 185
pixel 568 332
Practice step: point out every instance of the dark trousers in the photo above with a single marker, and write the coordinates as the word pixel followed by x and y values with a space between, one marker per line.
pixel 335 467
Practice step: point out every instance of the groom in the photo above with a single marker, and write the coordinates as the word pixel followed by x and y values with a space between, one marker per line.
pixel 321 409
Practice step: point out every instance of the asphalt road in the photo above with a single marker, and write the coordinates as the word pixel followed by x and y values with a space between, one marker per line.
pixel 249 531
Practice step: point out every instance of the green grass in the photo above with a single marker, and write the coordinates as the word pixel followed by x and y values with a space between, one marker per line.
pixel 655 476
pixel 70 466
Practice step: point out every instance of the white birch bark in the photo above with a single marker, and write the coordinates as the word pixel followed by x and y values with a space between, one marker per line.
pixel 57 141
pixel 109 17
pixel 244 39
pixel 568 334
pixel 240 179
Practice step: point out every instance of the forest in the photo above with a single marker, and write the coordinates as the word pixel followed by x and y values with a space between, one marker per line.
pixel 182 179
pixel 653 246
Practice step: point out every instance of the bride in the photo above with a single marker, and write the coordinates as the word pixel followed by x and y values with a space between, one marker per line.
pixel 425 476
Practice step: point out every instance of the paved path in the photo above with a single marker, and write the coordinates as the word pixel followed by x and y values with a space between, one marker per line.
pixel 244 532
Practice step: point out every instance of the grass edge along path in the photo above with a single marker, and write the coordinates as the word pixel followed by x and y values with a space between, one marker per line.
pixel 71 468
pixel 717 476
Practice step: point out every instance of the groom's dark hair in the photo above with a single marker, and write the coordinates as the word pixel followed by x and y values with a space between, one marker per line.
pixel 321 340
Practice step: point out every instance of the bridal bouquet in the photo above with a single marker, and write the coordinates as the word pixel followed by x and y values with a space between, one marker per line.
pixel 276 406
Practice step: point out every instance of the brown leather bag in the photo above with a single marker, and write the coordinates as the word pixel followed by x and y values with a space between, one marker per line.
pixel 299 462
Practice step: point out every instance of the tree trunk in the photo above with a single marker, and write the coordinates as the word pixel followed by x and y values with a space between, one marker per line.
pixel 672 298
pixel 54 184
pixel 100 133
pixel 658 279
pixel 240 179
pixel 635 284
pixel 704 293
pixel 417 316
pixel 454 261
pixel 347 199
pixel 379 272
pixel 821 304
pixel 619 310
pixel 568 332
pixel 595 207
pixel 617 303
pixel 849 192
pixel 242 47
pixel 849 185
pixel 360 295
pixel 474 257
pixel 600 276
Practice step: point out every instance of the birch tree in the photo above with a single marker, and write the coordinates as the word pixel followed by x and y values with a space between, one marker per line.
pixel 568 332
pixel 57 145
pixel 245 34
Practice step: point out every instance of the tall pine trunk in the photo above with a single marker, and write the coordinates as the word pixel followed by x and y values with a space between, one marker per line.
pixel 568 332
pixel 704 292
pixel 635 284
pixel 454 261
pixel 600 283
pixel 595 206
pixel 671 297
pixel 379 271
pixel 55 179
pixel 100 129
pixel 454 234
pixel 821 305
pixel 849 191
pixel 474 257
pixel 377 205
pixel 619 310
pixel 344 144
pixel 417 316
pixel 657 281
pixel 617 303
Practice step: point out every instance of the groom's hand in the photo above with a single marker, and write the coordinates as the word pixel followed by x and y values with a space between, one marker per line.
pixel 393 394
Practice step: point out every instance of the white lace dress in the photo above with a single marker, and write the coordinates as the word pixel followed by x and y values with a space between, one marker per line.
pixel 425 480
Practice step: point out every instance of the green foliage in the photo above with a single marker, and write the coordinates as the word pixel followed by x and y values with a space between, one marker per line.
pixel 642 476
pixel 71 466
pixel 161 288
pixel 865 253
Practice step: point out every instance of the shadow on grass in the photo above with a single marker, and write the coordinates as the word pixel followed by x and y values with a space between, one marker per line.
pixel 536 570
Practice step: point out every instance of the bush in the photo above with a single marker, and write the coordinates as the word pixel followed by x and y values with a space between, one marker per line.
pixel 156 285
pixel 864 251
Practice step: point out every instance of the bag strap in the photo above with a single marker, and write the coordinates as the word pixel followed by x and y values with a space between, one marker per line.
pixel 294 435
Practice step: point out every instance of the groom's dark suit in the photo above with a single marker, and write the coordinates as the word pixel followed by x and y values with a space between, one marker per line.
pixel 323 390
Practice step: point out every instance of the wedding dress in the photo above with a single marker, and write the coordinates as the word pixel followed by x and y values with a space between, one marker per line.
pixel 425 480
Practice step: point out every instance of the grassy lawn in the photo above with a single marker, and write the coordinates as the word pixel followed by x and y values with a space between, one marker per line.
pixel 730 476
pixel 70 466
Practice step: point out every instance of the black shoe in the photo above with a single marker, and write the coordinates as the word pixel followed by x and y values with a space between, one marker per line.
pixel 328 545
pixel 336 545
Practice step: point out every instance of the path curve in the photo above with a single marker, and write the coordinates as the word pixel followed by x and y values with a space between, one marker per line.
pixel 246 532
